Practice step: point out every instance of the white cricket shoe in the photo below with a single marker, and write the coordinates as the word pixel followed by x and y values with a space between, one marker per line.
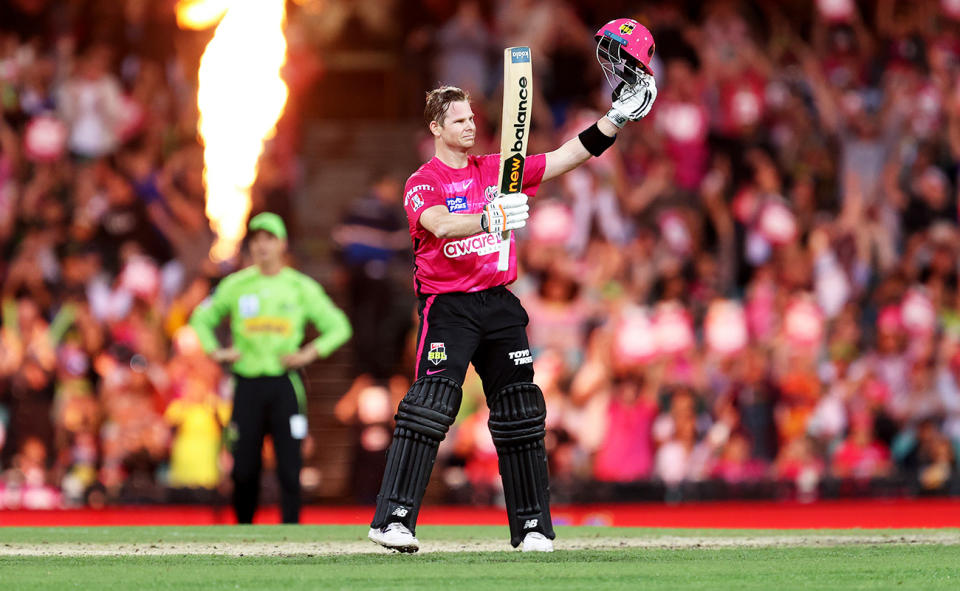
pixel 537 542
pixel 395 536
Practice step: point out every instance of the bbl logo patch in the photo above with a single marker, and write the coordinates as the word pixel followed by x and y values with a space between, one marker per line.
pixel 438 353
pixel 626 28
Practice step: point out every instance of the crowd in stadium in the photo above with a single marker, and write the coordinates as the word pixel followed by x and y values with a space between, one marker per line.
pixel 104 243
pixel 758 283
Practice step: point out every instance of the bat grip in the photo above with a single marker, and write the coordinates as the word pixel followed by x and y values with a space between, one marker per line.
pixel 503 260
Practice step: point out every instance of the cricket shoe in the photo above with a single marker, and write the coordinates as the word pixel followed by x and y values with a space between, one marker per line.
pixel 537 542
pixel 395 536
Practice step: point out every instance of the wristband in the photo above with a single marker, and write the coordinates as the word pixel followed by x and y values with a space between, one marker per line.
pixel 595 141
pixel 484 223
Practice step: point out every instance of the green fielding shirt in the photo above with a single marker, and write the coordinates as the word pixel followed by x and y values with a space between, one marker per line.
pixel 267 317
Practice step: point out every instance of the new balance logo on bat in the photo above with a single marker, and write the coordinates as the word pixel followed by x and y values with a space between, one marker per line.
pixel 520 125
pixel 512 173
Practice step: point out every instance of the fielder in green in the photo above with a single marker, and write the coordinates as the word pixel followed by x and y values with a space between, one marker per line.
pixel 269 304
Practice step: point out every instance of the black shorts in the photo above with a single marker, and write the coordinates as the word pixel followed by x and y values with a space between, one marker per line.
pixel 487 328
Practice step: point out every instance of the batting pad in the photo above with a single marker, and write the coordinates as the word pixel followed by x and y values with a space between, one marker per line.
pixel 424 416
pixel 517 415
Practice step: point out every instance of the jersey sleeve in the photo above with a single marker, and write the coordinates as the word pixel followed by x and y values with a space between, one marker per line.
pixel 331 322
pixel 209 313
pixel 533 168
pixel 420 193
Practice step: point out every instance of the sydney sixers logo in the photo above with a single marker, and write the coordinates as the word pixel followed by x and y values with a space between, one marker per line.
pixel 490 192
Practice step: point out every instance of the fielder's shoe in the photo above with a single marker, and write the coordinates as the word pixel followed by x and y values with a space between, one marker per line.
pixel 537 542
pixel 396 537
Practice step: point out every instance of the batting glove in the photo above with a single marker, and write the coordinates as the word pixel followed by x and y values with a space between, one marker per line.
pixel 632 102
pixel 506 212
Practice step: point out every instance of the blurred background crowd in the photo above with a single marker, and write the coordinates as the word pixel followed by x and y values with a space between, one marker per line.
pixel 753 293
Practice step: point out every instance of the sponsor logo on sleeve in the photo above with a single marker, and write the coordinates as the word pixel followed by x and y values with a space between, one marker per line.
pixel 417 202
pixel 413 191
pixel 438 353
pixel 457 203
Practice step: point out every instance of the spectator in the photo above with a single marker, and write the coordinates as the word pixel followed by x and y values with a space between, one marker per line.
pixel 90 105
pixel 372 239
pixel 860 455
pixel 198 415
pixel 626 453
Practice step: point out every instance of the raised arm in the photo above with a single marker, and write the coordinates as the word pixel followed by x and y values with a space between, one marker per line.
pixel 632 104
pixel 573 153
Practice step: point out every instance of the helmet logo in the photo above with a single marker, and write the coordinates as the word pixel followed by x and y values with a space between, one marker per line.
pixel 627 28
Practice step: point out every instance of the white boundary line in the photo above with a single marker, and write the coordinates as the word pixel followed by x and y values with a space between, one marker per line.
pixel 356 547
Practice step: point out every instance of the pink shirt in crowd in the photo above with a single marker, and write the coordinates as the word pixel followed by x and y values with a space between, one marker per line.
pixel 627 450
pixel 461 264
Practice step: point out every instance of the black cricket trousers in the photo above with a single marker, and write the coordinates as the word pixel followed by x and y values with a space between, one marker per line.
pixel 265 405
pixel 486 328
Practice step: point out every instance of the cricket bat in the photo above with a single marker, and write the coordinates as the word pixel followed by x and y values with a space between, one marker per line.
pixel 514 130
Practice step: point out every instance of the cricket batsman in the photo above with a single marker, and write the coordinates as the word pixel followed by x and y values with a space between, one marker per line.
pixel 269 305
pixel 456 217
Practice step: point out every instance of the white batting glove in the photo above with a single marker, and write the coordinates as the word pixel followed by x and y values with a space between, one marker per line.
pixel 506 212
pixel 634 101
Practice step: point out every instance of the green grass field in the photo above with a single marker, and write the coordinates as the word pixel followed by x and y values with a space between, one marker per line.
pixel 467 558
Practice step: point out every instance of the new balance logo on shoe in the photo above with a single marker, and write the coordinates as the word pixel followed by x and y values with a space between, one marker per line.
pixel 530 524
pixel 401 512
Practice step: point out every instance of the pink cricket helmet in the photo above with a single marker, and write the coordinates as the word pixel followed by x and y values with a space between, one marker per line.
pixel 624 50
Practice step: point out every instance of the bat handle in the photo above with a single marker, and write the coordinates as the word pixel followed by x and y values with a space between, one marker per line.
pixel 503 261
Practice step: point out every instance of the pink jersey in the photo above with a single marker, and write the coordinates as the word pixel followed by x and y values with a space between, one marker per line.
pixel 461 264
